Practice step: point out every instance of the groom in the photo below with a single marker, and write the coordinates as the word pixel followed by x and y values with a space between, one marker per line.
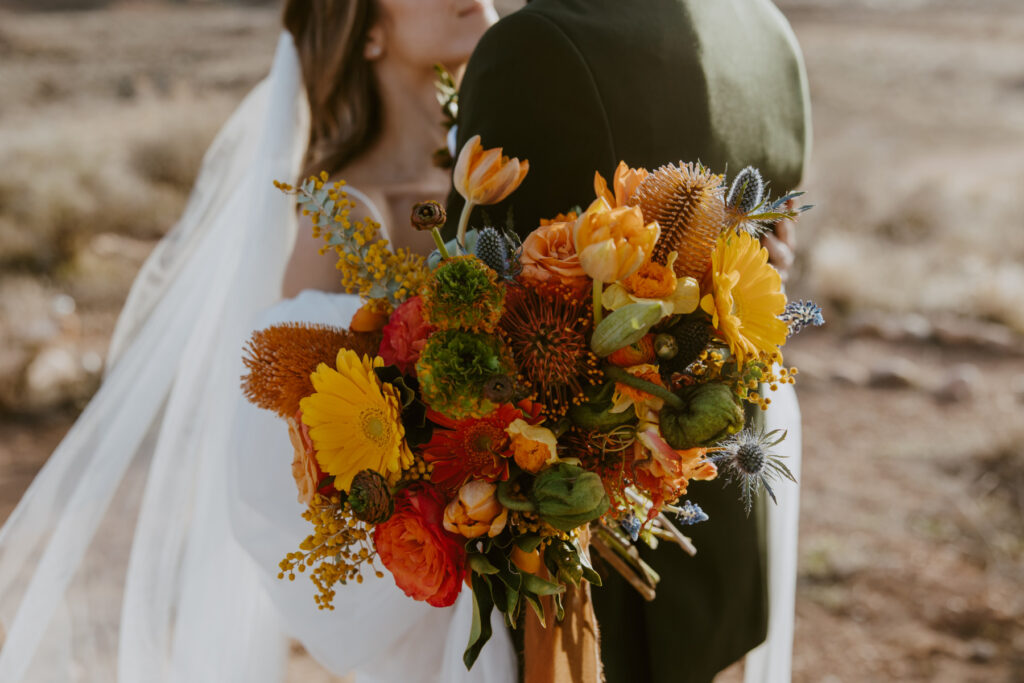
pixel 576 86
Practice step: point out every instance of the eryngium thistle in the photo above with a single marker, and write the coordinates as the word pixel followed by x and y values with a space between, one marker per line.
pixel 687 201
pixel 370 497
pixel 747 458
pixel 500 250
pixel 281 358
pixel 747 191
pixel 801 314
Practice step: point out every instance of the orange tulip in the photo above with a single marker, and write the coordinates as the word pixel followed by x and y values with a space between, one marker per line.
pixel 625 182
pixel 484 176
pixel 613 243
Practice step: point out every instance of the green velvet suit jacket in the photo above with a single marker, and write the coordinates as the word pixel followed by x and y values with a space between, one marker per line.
pixel 576 86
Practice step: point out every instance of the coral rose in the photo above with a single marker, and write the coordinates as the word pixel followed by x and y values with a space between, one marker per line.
pixel 305 468
pixel 427 562
pixel 476 511
pixel 550 254
pixel 405 335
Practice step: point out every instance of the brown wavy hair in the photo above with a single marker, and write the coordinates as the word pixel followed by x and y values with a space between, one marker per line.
pixel 341 86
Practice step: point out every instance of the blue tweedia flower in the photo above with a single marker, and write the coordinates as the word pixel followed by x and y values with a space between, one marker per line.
pixel 801 314
pixel 747 458
pixel 689 514
pixel 631 525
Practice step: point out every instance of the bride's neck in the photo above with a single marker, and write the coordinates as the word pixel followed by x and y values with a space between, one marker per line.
pixel 410 131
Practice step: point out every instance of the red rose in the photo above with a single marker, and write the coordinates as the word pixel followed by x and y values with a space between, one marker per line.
pixel 405 335
pixel 428 563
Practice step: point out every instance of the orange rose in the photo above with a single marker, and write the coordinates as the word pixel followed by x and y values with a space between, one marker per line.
pixel 549 254
pixel 476 511
pixel 305 468
pixel 612 244
pixel 427 562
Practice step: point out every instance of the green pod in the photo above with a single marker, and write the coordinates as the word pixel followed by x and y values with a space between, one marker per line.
pixel 567 496
pixel 624 327
pixel 711 413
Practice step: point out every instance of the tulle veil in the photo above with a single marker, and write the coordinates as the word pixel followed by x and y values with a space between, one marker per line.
pixel 120 562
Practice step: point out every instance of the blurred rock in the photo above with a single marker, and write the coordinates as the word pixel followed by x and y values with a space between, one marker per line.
pixel 1017 387
pixel 895 373
pixel 891 327
pixel 56 376
pixel 981 651
pixel 978 333
pixel 852 374
pixel 960 383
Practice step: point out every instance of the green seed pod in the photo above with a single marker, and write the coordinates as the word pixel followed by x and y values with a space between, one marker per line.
pixel 711 414
pixel 567 496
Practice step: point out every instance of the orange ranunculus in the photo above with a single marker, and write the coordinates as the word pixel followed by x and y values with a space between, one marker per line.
pixel 476 511
pixel 366 319
pixel 305 468
pixel 427 562
pixel 626 181
pixel 612 244
pixel 549 254
pixel 484 176
pixel 532 446
pixel 655 282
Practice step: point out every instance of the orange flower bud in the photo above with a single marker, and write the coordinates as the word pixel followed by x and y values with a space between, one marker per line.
pixel 476 511
pixel 368 320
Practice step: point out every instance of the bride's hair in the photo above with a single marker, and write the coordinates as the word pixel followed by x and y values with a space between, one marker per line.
pixel 344 97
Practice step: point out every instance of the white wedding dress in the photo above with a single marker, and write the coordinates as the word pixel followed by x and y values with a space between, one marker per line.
pixel 147 547
pixel 121 561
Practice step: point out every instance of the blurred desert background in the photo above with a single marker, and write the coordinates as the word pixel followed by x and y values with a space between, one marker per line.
pixel 912 533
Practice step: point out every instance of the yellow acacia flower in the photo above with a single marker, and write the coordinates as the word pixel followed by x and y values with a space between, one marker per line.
pixel 746 297
pixel 354 420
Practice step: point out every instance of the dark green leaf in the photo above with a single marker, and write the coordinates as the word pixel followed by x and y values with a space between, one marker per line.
pixel 481 565
pixel 480 630
pixel 528 543
pixel 539 586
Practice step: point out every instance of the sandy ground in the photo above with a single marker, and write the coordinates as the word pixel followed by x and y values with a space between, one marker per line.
pixel 913 397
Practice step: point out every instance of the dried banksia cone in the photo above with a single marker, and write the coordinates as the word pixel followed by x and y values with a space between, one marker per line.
pixel 370 497
pixel 687 201
pixel 281 358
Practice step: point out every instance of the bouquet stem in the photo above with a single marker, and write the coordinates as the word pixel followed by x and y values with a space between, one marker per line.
pixel 460 236
pixel 441 249
pixel 598 291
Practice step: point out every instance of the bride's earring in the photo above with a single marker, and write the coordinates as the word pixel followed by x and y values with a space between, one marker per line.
pixel 374 48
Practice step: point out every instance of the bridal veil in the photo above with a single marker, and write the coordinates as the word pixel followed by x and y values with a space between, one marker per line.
pixel 120 562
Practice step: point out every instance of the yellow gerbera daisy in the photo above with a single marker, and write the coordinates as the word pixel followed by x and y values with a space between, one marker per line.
pixel 746 297
pixel 354 420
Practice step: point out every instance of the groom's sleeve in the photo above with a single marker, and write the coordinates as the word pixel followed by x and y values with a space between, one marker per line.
pixel 528 90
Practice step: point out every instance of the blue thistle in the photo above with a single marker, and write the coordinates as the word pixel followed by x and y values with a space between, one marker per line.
pixel 690 513
pixel 801 314
pixel 747 458
pixel 747 191
pixel 501 251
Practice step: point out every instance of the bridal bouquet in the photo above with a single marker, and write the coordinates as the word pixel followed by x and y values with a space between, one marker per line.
pixel 493 410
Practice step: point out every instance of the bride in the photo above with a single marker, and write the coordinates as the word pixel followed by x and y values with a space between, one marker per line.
pixel 130 557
